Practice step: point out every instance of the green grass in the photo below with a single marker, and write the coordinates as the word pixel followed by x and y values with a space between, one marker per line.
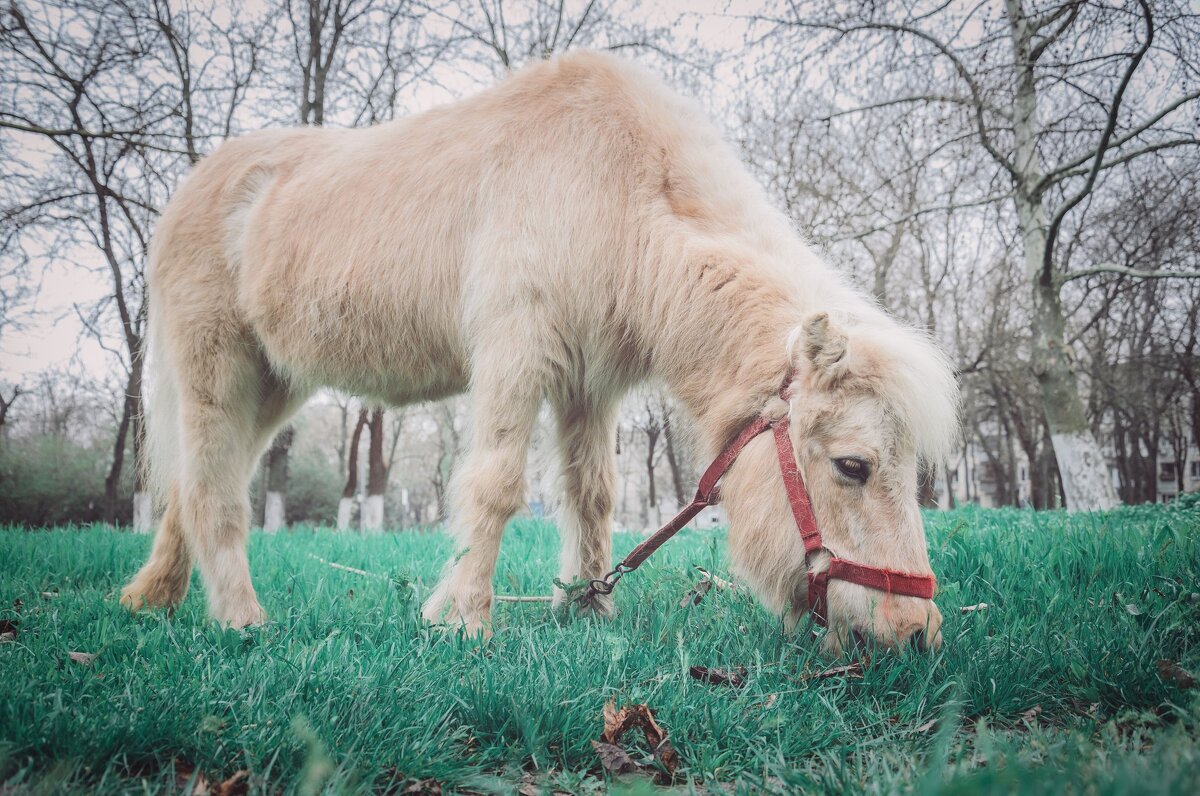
pixel 346 691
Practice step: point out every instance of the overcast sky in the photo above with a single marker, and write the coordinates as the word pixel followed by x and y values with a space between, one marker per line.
pixel 53 337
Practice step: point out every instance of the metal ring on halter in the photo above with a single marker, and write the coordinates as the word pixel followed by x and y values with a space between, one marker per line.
pixel 606 584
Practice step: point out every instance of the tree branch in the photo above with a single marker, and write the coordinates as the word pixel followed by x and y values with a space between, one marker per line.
pixel 1071 168
pixel 1101 148
pixel 1123 271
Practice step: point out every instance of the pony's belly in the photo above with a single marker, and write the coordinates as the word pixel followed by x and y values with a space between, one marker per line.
pixel 389 361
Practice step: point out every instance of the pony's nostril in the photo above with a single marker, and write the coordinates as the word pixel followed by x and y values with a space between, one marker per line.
pixel 918 641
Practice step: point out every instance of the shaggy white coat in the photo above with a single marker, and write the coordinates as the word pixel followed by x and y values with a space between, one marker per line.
pixel 561 237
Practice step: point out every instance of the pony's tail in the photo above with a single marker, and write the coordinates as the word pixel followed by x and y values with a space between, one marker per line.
pixel 161 454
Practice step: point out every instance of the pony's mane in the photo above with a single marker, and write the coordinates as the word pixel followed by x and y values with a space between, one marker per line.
pixel 908 373
pixel 916 381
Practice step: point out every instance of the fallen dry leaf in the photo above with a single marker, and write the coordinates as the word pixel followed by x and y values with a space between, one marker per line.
pixel 1133 610
pixel 970 609
pixel 618 722
pixel 697 593
pixel 733 679
pixel 85 658
pixel 614 759
pixel 18 604
pixel 718 582
pixel 185 772
pixel 926 727
pixel 1032 713
pixel 1172 672
pixel 424 787
pixel 7 637
pixel 236 785
pixel 8 626
pixel 49 595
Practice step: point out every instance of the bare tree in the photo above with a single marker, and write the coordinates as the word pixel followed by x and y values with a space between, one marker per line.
pixel 1031 87
pixel 350 491
pixel 377 472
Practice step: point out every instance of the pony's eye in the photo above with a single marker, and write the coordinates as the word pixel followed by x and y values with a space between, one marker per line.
pixel 854 469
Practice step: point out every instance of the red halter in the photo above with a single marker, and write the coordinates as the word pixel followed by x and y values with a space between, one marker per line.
pixel 707 494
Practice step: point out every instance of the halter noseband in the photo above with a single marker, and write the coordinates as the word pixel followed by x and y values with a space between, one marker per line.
pixel 890 581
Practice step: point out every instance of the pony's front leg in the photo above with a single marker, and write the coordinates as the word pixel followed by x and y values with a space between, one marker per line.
pixel 587 431
pixel 487 490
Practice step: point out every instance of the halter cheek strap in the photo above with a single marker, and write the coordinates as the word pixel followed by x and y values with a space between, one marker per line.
pixel 889 581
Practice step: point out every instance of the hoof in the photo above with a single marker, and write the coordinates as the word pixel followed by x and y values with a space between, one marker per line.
pixel 469 616
pixel 249 615
pixel 599 606
pixel 137 596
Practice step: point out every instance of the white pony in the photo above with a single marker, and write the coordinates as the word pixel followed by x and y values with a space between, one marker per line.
pixel 561 237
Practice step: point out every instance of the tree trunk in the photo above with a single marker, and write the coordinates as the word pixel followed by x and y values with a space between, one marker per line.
pixel 131 408
pixel 1086 483
pixel 143 506
pixel 6 404
pixel 346 504
pixel 372 513
pixel 673 461
pixel 652 514
pixel 951 503
pixel 275 512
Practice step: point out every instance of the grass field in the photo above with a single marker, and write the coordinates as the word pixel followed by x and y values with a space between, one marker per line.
pixel 1056 687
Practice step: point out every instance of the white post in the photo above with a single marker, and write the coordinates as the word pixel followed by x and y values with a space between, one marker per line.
pixel 372 514
pixel 273 516
pixel 345 513
pixel 143 511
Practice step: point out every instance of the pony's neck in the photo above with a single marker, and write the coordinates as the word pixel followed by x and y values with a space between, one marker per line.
pixel 723 354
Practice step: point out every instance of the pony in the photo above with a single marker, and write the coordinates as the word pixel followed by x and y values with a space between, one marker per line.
pixel 557 239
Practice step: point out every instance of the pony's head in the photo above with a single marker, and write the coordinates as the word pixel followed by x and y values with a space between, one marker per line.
pixel 869 400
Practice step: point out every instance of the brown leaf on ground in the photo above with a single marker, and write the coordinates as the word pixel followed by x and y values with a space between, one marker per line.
pixel 720 583
pixel 614 759
pixel 970 609
pixel 1032 713
pixel 18 604
pixel 1133 610
pixel 6 638
pixel 734 679
pixel 49 595
pixel 85 658
pixel 8 626
pixel 618 722
pixel 185 772
pixel 697 593
pixel 850 670
pixel 926 727
pixel 1172 672
pixel 236 785
pixel 424 787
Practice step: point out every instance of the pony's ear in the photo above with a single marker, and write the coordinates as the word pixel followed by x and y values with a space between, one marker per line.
pixel 824 344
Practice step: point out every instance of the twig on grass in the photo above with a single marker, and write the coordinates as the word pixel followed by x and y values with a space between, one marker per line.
pixel 504 598
pixel 344 568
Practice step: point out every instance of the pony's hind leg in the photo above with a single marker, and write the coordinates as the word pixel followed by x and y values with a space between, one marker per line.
pixel 163 580
pixel 230 404
pixel 587 447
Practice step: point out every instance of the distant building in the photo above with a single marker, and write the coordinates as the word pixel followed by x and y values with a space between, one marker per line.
pixel 974 477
